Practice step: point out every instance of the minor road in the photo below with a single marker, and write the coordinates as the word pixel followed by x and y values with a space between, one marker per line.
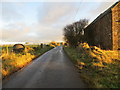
pixel 51 70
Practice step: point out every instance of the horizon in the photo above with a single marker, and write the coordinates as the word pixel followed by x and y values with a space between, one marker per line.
pixel 12 43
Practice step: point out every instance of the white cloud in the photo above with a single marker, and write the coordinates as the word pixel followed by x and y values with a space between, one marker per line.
pixel 56 11
pixel 103 6
pixel 13 31
pixel 9 13
pixel 50 26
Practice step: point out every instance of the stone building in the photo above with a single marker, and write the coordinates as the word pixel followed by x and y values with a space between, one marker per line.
pixel 104 31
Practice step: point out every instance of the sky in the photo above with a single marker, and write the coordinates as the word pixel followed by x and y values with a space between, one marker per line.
pixel 43 21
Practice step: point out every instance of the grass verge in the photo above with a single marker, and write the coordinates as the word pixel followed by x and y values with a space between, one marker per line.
pixel 99 68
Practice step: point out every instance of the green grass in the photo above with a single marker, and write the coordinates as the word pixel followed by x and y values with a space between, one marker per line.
pixel 40 51
pixel 96 77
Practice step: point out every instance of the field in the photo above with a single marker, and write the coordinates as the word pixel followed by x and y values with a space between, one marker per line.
pixel 99 68
pixel 12 62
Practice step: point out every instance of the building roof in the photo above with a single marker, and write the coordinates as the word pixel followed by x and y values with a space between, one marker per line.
pixel 104 13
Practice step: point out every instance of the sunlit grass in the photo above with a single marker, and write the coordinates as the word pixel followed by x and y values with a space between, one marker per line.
pixel 100 68
pixel 12 62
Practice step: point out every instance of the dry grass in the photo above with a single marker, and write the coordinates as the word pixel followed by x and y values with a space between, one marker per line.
pixel 102 56
pixel 100 68
pixel 12 62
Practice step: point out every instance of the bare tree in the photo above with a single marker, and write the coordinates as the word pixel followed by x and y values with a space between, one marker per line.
pixel 73 33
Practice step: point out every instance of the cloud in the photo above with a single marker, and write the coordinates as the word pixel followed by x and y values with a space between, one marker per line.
pixel 9 13
pixel 48 33
pixel 52 19
pixel 102 6
pixel 20 32
pixel 55 16
pixel 14 32
pixel 57 11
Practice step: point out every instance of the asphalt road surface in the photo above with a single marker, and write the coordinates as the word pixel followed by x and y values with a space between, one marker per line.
pixel 51 70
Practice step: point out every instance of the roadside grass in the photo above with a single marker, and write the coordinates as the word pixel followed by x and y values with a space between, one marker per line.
pixel 12 62
pixel 99 68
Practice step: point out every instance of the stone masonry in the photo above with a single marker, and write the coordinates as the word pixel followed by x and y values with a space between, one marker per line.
pixel 104 31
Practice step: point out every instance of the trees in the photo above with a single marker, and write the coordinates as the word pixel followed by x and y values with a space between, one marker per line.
pixel 73 33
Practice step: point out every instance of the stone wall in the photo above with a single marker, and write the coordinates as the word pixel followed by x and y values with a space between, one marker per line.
pixel 116 26
pixel 103 31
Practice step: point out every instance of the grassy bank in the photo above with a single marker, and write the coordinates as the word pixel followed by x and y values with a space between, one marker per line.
pixel 99 68
pixel 12 62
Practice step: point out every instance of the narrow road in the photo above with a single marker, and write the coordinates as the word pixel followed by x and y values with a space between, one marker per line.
pixel 51 70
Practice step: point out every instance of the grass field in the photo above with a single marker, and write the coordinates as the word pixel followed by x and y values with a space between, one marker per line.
pixel 12 62
pixel 99 68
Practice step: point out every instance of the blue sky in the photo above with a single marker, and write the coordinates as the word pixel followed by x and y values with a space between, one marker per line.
pixel 44 21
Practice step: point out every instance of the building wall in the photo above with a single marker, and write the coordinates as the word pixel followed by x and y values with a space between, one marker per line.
pixel 99 32
pixel 104 31
pixel 116 26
